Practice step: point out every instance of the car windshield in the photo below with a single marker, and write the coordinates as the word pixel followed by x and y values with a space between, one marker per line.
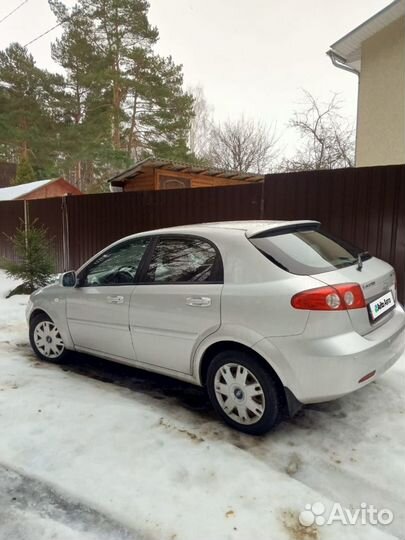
pixel 308 252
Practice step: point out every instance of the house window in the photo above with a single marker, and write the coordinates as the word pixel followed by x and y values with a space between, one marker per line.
pixel 172 182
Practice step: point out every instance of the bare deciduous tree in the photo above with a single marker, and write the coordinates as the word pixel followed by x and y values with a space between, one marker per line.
pixel 244 145
pixel 201 124
pixel 327 137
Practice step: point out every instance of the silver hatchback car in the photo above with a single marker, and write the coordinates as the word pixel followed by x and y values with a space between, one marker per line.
pixel 266 315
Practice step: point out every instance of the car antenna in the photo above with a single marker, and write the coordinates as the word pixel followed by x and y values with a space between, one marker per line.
pixel 359 262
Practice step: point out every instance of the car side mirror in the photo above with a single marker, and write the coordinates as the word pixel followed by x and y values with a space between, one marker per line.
pixel 69 279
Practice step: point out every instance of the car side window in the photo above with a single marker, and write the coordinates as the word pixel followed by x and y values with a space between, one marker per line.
pixel 116 266
pixel 184 260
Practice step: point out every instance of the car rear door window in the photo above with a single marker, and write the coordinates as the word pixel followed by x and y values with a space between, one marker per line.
pixel 308 252
pixel 184 260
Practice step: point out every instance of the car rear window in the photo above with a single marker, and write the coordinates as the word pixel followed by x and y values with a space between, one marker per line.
pixel 308 252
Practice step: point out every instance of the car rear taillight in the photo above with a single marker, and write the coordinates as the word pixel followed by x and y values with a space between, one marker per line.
pixel 336 298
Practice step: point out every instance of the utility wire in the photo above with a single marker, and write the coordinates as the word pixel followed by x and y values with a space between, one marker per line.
pixel 45 33
pixel 13 11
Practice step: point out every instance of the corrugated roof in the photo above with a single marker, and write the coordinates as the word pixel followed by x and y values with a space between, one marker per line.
pixel 137 169
pixel 349 46
pixel 15 192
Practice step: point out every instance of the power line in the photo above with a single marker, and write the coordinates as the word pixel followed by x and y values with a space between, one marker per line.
pixel 45 33
pixel 13 11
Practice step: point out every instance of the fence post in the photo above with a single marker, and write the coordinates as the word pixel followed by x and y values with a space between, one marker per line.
pixel 262 194
pixel 65 234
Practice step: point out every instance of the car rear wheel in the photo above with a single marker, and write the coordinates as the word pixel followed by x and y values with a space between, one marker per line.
pixel 45 339
pixel 242 392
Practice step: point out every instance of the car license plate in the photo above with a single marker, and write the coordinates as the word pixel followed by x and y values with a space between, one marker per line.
pixel 380 306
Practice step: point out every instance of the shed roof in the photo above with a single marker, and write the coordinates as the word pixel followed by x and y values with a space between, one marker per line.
pixel 16 192
pixel 348 48
pixel 168 164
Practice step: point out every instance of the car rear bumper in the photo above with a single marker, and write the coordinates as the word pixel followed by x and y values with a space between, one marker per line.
pixel 317 370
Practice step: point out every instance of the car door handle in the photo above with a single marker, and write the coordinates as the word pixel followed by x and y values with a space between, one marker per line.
pixel 198 301
pixel 115 299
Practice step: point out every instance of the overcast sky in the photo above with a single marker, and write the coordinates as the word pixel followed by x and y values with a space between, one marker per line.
pixel 251 56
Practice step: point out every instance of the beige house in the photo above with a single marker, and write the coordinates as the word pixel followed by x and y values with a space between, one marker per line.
pixel 375 51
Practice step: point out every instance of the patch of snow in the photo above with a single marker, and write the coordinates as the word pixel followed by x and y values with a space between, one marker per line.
pixel 29 508
pixel 120 462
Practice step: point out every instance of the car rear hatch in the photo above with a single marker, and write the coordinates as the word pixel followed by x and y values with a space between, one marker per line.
pixel 300 248
pixel 377 280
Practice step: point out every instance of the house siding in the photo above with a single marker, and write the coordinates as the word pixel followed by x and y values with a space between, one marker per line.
pixel 140 184
pixel 151 180
pixel 381 114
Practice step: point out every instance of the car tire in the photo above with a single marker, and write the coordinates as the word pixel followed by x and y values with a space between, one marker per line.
pixel 45 339
pixel 243 393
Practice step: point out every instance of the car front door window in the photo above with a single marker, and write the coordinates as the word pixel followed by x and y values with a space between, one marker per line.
pixel 117 266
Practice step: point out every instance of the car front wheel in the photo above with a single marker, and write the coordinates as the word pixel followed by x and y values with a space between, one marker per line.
pixel 242 392
pixel 45 339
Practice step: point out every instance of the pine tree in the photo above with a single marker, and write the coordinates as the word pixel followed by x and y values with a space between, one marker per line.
pixel 119 85
pixel 25 172
pixel 28 110
pixel 34 264
pixel 118 101
pixel 85 137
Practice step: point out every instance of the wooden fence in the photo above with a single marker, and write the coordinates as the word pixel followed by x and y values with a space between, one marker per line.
pixel 365 206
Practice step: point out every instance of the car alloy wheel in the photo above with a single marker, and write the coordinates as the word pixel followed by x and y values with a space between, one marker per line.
pixel 243 391
pixel 48 340
pixel 239 393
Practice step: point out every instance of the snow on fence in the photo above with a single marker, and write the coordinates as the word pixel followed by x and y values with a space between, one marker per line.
pixel 365 206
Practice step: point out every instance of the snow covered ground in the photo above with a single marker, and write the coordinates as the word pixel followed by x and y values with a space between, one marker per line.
pixel 94 451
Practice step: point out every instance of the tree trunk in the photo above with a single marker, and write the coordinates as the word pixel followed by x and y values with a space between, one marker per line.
pixel 116 116
pixel 117 94
pixel 133 125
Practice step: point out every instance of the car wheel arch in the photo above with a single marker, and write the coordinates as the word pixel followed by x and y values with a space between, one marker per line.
pixel 40 310
pixel 36 312
pixel 228 345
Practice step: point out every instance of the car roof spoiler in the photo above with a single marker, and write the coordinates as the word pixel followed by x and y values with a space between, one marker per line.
pixel 285 227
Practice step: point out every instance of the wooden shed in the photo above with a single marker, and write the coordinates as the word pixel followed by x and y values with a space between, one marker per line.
pixel 42 189
pixel 155 174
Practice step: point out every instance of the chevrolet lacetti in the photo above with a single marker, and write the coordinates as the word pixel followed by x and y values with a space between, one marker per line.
pixel 266 315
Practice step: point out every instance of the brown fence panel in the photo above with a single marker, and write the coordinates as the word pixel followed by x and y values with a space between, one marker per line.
pixel 97 220
pixel 187 206
pixel 48 213
pixel 365 206
pixel 11 216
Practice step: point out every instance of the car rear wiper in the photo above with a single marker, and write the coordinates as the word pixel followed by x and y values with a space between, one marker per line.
pixel 362 256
